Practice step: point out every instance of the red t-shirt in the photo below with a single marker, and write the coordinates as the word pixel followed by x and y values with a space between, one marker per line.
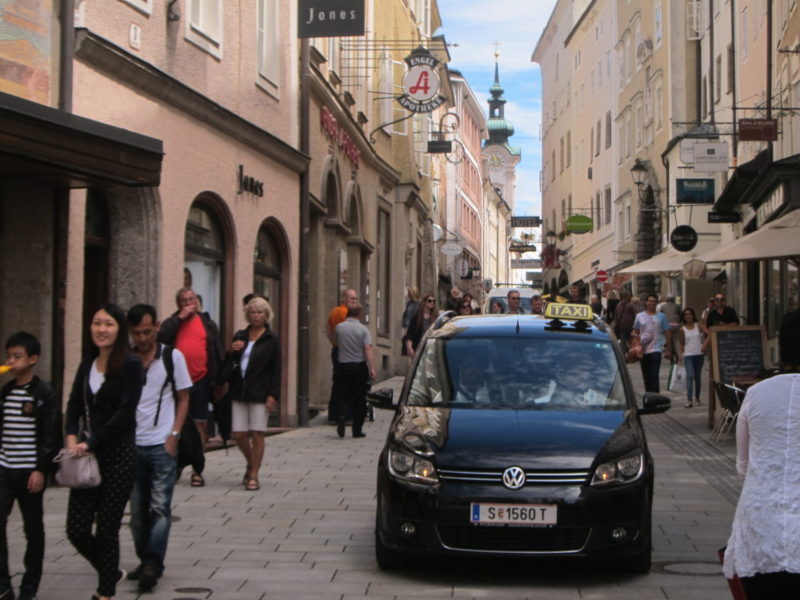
pixel 191 341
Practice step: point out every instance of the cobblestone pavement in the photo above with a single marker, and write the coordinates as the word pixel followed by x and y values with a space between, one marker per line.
pixel 308 533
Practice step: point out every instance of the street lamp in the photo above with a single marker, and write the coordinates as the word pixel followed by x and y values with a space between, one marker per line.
pixel 551 237
pixel 639 173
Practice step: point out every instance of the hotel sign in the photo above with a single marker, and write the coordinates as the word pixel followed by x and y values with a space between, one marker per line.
pixel 330 18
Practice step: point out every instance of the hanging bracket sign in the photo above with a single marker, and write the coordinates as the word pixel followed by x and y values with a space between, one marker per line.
pixel 421 83
pixel 330 18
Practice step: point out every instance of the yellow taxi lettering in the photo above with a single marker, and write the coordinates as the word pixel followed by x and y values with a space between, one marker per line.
pixel 569 311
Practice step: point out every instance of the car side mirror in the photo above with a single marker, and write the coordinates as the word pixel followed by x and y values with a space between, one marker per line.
pixel 653 404
pixel 382 398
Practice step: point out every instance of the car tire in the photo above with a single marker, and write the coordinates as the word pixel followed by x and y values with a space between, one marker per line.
pixel 387 559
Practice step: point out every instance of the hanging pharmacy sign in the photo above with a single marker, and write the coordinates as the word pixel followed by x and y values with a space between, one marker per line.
pixel 421 83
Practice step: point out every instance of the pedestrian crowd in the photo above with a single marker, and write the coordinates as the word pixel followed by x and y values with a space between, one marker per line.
pixel 138 412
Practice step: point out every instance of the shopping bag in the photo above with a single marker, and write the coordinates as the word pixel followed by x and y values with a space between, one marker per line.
pixel 677 380
pixel 735 584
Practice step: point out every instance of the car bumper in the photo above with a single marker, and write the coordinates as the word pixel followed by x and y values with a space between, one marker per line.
pixel 415 521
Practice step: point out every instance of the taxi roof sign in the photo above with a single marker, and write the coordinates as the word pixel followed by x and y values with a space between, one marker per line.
pixel 573 312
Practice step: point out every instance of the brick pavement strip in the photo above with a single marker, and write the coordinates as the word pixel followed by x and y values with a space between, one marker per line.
pixel 308 533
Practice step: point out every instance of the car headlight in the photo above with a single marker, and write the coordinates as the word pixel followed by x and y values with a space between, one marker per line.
pixel 407 466
pixel 621 470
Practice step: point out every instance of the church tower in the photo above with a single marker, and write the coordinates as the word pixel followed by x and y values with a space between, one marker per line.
pixel 501 157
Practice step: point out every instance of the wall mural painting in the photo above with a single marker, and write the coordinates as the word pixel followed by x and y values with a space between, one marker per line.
pixel 26 49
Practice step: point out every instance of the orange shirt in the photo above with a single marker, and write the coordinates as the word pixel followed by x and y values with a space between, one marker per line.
pixel 336 316
pixel 191 341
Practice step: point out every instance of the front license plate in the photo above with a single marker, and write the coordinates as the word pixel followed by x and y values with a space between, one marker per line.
pixel 513 514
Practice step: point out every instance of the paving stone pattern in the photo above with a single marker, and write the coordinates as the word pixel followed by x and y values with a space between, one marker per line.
pixel 308 533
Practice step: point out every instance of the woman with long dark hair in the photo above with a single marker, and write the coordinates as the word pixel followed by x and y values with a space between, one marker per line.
pixel 764 545
pixel 108 382
pixel 691 351
pixel 425 317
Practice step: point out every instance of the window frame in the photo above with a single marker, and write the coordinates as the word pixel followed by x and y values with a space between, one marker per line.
pixel 209 41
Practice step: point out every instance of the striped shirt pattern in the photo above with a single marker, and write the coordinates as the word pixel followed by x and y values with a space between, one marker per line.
pixel 18 444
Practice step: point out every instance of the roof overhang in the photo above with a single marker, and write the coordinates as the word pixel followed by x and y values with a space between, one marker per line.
pixel 47 144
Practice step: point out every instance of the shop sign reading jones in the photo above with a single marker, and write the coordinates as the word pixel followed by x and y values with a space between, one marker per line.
pixel 340 136
pixel 330 18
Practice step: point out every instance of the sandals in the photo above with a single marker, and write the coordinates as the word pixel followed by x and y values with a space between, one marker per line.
pixel 252 485
pixel 197 480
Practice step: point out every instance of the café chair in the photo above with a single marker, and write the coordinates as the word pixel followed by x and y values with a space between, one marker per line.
pixel 730 400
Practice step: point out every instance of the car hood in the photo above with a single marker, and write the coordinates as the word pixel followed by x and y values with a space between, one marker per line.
pixel 488 439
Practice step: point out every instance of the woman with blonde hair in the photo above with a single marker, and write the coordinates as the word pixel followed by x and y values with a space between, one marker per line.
pixel 253 371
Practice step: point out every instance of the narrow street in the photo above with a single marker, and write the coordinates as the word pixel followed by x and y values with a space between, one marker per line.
pixel 308 533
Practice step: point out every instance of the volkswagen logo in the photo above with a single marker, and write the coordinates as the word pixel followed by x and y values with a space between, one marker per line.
pixel 514 478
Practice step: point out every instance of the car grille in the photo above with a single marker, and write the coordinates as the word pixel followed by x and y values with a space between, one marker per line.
pixel 532 477
pixel 513 539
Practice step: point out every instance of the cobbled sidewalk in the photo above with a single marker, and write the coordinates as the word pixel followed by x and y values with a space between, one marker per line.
pixel 308 533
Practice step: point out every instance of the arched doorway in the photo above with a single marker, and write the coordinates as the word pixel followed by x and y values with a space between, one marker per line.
pixel 268 268
pixel 207 256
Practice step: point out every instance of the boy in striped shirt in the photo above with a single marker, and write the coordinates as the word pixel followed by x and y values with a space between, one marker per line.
pixel 30 436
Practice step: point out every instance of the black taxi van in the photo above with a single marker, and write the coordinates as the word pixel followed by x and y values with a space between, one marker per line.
pixel 517 436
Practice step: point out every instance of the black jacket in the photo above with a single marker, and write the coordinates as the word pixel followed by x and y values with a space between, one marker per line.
pixel 263 375
pixel 169 331
pixel 48 423
pixel 112 411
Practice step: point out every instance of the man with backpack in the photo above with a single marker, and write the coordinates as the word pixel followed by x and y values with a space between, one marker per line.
pixel 160 417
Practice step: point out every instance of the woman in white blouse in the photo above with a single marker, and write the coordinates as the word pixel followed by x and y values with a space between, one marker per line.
pixel 691 352
pixel 764 546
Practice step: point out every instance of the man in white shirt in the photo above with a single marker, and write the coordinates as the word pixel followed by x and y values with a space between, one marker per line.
pixel 159 418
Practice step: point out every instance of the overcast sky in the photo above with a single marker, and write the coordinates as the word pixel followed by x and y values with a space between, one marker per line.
pixel 475 26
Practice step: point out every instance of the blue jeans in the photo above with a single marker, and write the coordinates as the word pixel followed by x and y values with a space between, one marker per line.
pixel 694 373
pixel 651 365
pixel 151 502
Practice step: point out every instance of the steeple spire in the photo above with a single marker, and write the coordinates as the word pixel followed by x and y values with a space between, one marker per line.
pixel 499 129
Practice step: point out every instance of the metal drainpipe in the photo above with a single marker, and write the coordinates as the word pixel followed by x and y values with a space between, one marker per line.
pixel 66 48
pixel 711 63
pixel 303 340
pixel 732 67
pixel 61 196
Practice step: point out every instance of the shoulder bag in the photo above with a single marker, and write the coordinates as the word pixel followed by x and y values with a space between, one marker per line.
pixel 78 472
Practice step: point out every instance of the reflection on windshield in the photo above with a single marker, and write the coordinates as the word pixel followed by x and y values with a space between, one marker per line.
pixel 524 374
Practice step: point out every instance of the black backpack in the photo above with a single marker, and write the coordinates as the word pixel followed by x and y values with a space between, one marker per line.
pixel 190 445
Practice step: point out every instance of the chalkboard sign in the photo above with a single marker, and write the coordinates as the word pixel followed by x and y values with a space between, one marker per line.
pixel 738 351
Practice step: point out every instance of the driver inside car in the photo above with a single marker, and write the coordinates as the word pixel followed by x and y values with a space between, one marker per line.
pixel 471 387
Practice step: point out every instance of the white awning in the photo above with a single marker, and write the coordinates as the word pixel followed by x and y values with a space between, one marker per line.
pixel 777 239
pixel 669 261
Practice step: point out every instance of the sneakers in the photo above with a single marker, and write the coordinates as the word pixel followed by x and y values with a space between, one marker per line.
pixel 135 574
pixel 148 578
pixel 360 434
pixel 146 575
pixel 26 593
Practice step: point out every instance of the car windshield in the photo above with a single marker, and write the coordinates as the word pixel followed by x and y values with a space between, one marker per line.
pixel 530 373
pixel 502 304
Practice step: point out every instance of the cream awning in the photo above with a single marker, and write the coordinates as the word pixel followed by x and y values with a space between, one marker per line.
pixel 777 239
pixel 669 261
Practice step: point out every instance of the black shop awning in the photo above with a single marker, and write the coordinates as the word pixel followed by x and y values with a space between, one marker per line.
pixel 52 146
